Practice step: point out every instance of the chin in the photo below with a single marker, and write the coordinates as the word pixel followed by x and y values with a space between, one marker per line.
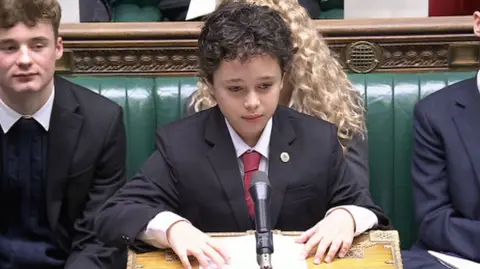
pixel 27 88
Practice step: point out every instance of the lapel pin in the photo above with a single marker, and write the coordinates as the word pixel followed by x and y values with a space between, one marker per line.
pixel 284 157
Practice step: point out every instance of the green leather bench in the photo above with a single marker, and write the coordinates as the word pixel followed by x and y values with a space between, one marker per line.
pixel 151 102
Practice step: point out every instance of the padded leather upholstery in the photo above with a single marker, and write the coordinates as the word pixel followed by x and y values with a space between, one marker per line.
pixel 151 102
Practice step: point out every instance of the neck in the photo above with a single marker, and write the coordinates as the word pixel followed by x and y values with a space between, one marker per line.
pixel 26 103
pixel 252 141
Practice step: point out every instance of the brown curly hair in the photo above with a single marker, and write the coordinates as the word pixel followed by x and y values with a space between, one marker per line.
pixel 240 31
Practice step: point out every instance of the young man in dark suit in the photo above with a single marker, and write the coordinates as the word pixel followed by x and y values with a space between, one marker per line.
pixel 446 173
pixel 196 180
pixel 62 149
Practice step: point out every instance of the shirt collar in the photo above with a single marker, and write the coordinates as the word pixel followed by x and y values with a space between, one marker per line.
pixel 262 145
pixel 8 116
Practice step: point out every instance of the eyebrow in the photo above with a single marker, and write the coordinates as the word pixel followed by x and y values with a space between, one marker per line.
pixel 233 80
pixel 266 78
pixel 40 39
pixel 35 39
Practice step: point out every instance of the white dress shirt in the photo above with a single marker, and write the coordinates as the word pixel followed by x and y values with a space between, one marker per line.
pixel 8 116
pixel 156 232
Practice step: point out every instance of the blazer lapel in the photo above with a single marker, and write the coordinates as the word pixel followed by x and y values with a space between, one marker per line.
pixel 224 162
pixel 63 135
pixel 280 170
pixel 467 120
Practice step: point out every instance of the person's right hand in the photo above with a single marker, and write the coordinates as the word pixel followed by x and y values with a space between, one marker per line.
pixel 186 240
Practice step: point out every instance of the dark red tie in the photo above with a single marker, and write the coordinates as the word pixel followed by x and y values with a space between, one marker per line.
pixel 251 162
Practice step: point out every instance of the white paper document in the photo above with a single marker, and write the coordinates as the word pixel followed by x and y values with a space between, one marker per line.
pixel 243 254
pixel 454 262
pixel 198 8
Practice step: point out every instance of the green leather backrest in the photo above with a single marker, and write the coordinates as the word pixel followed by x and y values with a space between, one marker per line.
pixel 389 98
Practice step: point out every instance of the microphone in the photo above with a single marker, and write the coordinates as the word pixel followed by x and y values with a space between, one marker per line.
pixel 260 190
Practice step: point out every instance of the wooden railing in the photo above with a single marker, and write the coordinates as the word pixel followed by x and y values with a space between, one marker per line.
pixel 361 45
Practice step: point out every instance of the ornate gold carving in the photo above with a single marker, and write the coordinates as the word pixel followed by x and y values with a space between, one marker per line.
pixel 391 237
pixel 358 57
pixel 162 60
pixel 131 260
pixel 362 46
pixel 414 56
pixel 383 236
pixel 354 253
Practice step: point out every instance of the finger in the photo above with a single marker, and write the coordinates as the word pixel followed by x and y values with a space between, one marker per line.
pixel 346 245
pixel 214 256
pixel 183 257
pixel 220 249
pixel 333 249
pixel 321 249
pixel 306 235
pixel 200 256
pixel 311 243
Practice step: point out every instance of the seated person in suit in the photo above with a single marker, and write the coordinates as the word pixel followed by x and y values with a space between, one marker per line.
pixel 197 179
pixel 316 85
pixel 446 173
pixel 62 149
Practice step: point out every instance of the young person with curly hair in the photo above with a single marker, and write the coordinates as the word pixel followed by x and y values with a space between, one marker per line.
pixel 197 180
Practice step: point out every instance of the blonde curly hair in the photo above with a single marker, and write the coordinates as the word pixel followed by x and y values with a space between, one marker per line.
pixel 320 86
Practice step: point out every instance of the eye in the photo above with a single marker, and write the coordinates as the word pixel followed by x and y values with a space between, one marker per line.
pixel 8 48
pixel 234 88
pixel 38 46
pixel 265 86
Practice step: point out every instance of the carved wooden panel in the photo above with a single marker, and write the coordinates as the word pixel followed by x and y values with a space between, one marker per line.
pixel 361 46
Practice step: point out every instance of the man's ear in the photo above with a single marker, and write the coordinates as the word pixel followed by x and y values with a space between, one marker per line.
pixel 476 23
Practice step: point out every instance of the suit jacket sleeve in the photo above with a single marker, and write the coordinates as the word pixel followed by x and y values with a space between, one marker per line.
pixel 86 250
pixel 344 188
pixel 356 157
pixel 441 228
pixel 151 191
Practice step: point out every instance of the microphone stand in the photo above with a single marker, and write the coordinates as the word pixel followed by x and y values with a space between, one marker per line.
pixel 264 249
pixel 260 191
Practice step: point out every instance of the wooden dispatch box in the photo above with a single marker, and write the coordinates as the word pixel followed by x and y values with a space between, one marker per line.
pixel 373 249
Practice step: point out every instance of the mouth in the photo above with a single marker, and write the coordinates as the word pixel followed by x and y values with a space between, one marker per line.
pixel 24 75
pixel 252 117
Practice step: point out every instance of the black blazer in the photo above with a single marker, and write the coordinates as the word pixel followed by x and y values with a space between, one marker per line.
pixel 194 172
pixel 85 166
pixel 356 154
pixel 446 170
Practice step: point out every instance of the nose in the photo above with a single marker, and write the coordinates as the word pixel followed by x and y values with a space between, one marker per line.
pixel 24 59
pixel 252 102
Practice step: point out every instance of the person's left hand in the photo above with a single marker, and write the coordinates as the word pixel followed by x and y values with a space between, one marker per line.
pixel 335 233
